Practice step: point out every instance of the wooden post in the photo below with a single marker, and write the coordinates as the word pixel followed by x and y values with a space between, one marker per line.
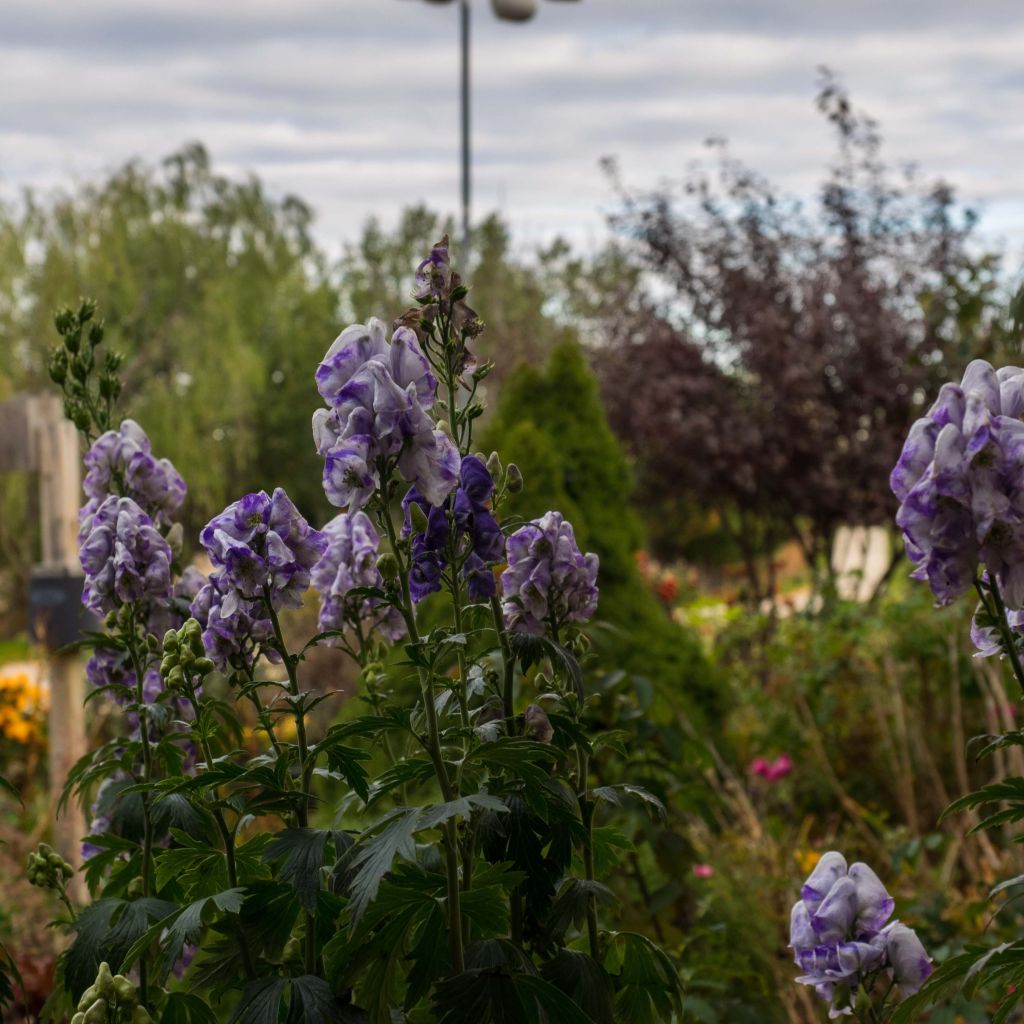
pixel 60 493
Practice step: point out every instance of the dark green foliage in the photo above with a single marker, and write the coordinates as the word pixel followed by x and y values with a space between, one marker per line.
pixel 551 423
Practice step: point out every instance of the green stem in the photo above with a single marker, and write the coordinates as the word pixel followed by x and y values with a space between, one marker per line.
pixel 227 836
pixel 508 665
pixel 1003 623
pixel 147 778
pixel 306 763
pixel 451 850
pixel 587 813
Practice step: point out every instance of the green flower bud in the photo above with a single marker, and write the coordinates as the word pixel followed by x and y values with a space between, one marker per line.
pixel 204 666
pixel 97 1013
pixel 171 640
pixel 513 479
pixel 105 980
pixel 79 1018
pixel 89 996
pixel 125 992
pixel 419 519
pixel 193 630
pixel 141 1016
pixel 387 566
pixel 136 888
pixel 494 465
pixel 152 643
pixel 176 538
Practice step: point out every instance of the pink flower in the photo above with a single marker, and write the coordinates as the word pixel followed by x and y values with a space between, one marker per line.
pixel 703 870
pixel 779 768
pixel 759 766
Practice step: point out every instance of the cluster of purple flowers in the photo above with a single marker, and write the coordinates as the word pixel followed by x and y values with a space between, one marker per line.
pixel 378 394
pixel 548 582
pixel 124 556
pixel 121 462
pixel 961 488
pixel 261 545
pixel 261 548
pixel 840 936
pixel 480 542
pixel 350 563
pixel 434 274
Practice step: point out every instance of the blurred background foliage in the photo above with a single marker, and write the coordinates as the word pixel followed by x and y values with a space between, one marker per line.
pixel 709 398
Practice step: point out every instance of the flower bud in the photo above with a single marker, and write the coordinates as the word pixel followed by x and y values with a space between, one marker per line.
pixel 105 980
pixel 136 888
pixel 387 564
pixel 494 465
pixel 59 366
pixel 152 643
pixel 538 725
pixel 419 519
pixel 513 479
pixel 125 992
pixel 445 427
pixel 176 538
pixel 97 1013
pixel 140 1015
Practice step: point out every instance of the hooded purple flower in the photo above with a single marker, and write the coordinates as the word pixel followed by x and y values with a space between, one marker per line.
pixel 124 556
pixel 350 562
pixel 378 393
pixel 434 274
pixel 264 542
pixel 234 627
pixel 479 537
pixel 121 462
pixel 839 936
pixel 548 579
pixel 959 483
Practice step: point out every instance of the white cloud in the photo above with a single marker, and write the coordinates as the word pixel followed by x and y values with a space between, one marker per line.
pixel 352 104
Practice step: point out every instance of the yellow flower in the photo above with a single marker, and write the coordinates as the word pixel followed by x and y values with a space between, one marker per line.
pixel 807 859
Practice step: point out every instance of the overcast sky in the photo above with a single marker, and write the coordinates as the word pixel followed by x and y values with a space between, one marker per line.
pixel 352 104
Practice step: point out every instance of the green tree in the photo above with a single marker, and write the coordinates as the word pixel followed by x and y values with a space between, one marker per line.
pixel 551 424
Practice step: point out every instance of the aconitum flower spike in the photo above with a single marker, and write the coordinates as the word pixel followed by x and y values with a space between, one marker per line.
pixel 548 580
pixel 121 462
pixel 124 556
pixel 960 489
pixel 839 936
pixel 349 563
pixel 262 544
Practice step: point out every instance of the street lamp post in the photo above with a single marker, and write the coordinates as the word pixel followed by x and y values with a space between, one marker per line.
pixel 506 10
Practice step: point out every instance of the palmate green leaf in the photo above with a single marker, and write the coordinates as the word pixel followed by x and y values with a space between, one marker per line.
pixel 392 837
pixel 609 846
pixel 1010 790
pixel 179 926
pixel 527 760
pixel 189 865
pixel 646 981
pixel 260 1002
pixel 618 796
pixel 496 995
pixel 312 1002
pixel 9 977
pixel 982 746
pixel 303 853
pixel 529 650
pixel 584 981
pixel 570 907
pixel 185 1008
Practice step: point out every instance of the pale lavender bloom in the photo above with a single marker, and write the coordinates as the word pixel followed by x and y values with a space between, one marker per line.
pixel 262 544
pixel 378 393
pixel 839 936
pixel 124 556
pixel 121 462
pixel 349 563
pixel 911 965
pixel 548 582
pixel 959 481
pixel 987 639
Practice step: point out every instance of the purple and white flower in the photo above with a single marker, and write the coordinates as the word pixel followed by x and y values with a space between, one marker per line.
pixel 377 394
pixel 961 488
pixel 124 556
pixel 549 582
pixel 121 462
pixel 262 545
pixel 840 936
pixel 349 563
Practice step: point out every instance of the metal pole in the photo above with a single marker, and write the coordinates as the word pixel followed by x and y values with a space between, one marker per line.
pixel 464 25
